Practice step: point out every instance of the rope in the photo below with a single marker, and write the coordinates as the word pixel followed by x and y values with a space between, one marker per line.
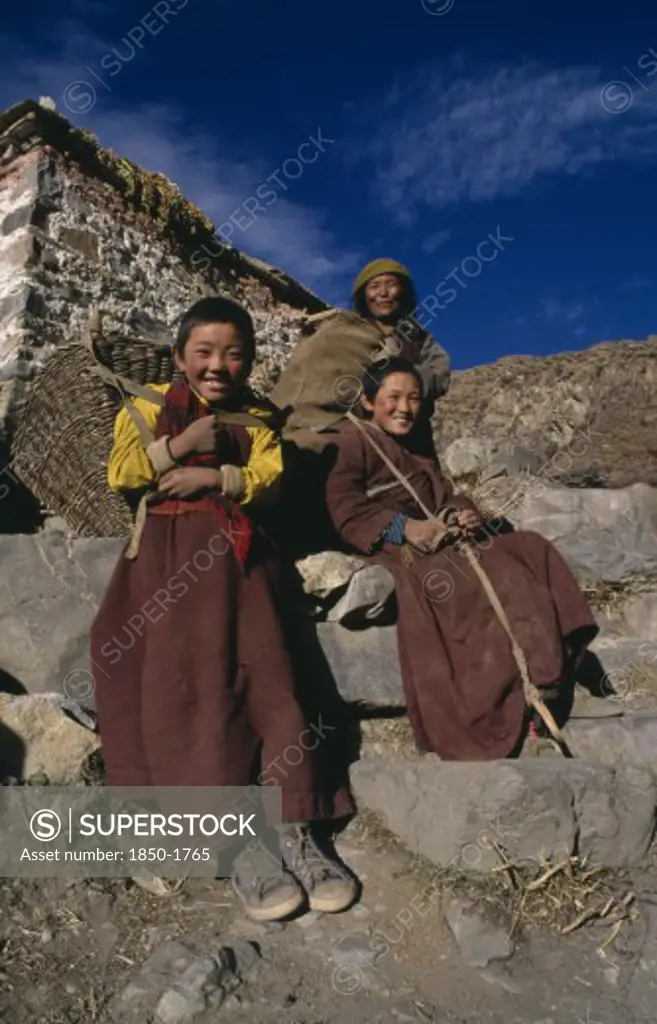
pixel 448 519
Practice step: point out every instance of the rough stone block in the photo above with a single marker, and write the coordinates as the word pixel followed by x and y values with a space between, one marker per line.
pixel 479 941
pixel 13 305
pixel 141 995
pixel 629 739
pixel 368 599
pixel 452 812
pixel 41 739
pixel 26 184
pixel 603 534
pixel 19 218
pixel 642 990
pixel 19 252
pixel 175 986
pixel 50 589
pixel 328 572
pixel 83 241
pixel 196 990
pixel 363 663
pixel 639 616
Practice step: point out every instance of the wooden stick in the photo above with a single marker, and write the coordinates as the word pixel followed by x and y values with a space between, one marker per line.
pixel 550 873
pixel 585 916
pixel 615 929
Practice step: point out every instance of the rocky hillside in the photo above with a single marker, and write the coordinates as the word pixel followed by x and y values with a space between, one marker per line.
pixel 598 406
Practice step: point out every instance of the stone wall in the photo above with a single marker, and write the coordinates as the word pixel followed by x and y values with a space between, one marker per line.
pixel 82 228
pixel 68 242
pixel 18 206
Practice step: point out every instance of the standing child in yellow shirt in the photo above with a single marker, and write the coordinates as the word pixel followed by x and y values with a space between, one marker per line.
pixel 196 678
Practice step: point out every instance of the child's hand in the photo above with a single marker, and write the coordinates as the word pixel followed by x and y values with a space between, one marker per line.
pixel 199 438
pixel 187 482
pixel 469 520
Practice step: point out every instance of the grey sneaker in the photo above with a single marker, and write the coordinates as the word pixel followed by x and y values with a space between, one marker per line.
pixel 328 886
pixel 268 891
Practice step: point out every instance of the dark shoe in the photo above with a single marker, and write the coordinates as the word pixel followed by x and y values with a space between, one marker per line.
pixel 328 886
pixel 267 891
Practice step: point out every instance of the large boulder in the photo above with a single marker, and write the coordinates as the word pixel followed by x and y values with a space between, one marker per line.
pixel 50 588
pixel 638 615
pixel 627 739
pixel 603 534
pixel 452 813
pixel 364 666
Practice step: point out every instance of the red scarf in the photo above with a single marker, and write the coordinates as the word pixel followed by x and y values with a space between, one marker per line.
pixel 181 408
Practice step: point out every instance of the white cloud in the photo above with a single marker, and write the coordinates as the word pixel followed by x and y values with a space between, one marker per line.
pixel 557 311
pixel 293 237
pixel 476 134
pixel 635 284
pixel 433 242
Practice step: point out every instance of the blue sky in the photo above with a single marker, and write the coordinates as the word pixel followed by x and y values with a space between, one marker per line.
pixel 442 123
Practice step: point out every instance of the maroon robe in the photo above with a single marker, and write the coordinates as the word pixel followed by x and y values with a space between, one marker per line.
pixel 463 689
pixel 194 685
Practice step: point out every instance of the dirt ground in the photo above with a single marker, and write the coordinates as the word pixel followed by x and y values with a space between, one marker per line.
pixel 68 947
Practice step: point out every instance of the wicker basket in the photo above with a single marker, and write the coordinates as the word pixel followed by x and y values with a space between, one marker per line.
pixel 64 438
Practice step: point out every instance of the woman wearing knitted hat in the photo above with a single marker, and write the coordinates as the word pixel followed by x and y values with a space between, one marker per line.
pixel 322 380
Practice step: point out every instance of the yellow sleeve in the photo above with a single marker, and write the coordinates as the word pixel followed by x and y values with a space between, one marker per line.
pixel 263 472
pixel 129 466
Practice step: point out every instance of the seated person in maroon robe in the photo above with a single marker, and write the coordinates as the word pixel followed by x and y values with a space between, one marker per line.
pixel 463 688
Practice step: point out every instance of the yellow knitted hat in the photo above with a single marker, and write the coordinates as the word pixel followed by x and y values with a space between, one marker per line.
pixel 377 267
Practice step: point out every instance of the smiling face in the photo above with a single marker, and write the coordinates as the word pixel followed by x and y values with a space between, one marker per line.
pixel 383 295
pixel 397 404
pixel 216 362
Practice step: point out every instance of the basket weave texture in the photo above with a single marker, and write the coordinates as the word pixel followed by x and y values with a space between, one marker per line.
pixel 64 439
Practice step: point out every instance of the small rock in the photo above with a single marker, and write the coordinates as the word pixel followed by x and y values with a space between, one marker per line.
pixel 141 995
pixel 309 919
pixel 43 738
pixel 369 598
pixel 466 456
pixel 327 572
pixel 244 955
pixel 271 927
pixel 479 941
pixel 355 949
pixel 196 990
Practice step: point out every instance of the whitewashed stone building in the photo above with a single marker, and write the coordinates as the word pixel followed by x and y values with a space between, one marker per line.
pixel 82 227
